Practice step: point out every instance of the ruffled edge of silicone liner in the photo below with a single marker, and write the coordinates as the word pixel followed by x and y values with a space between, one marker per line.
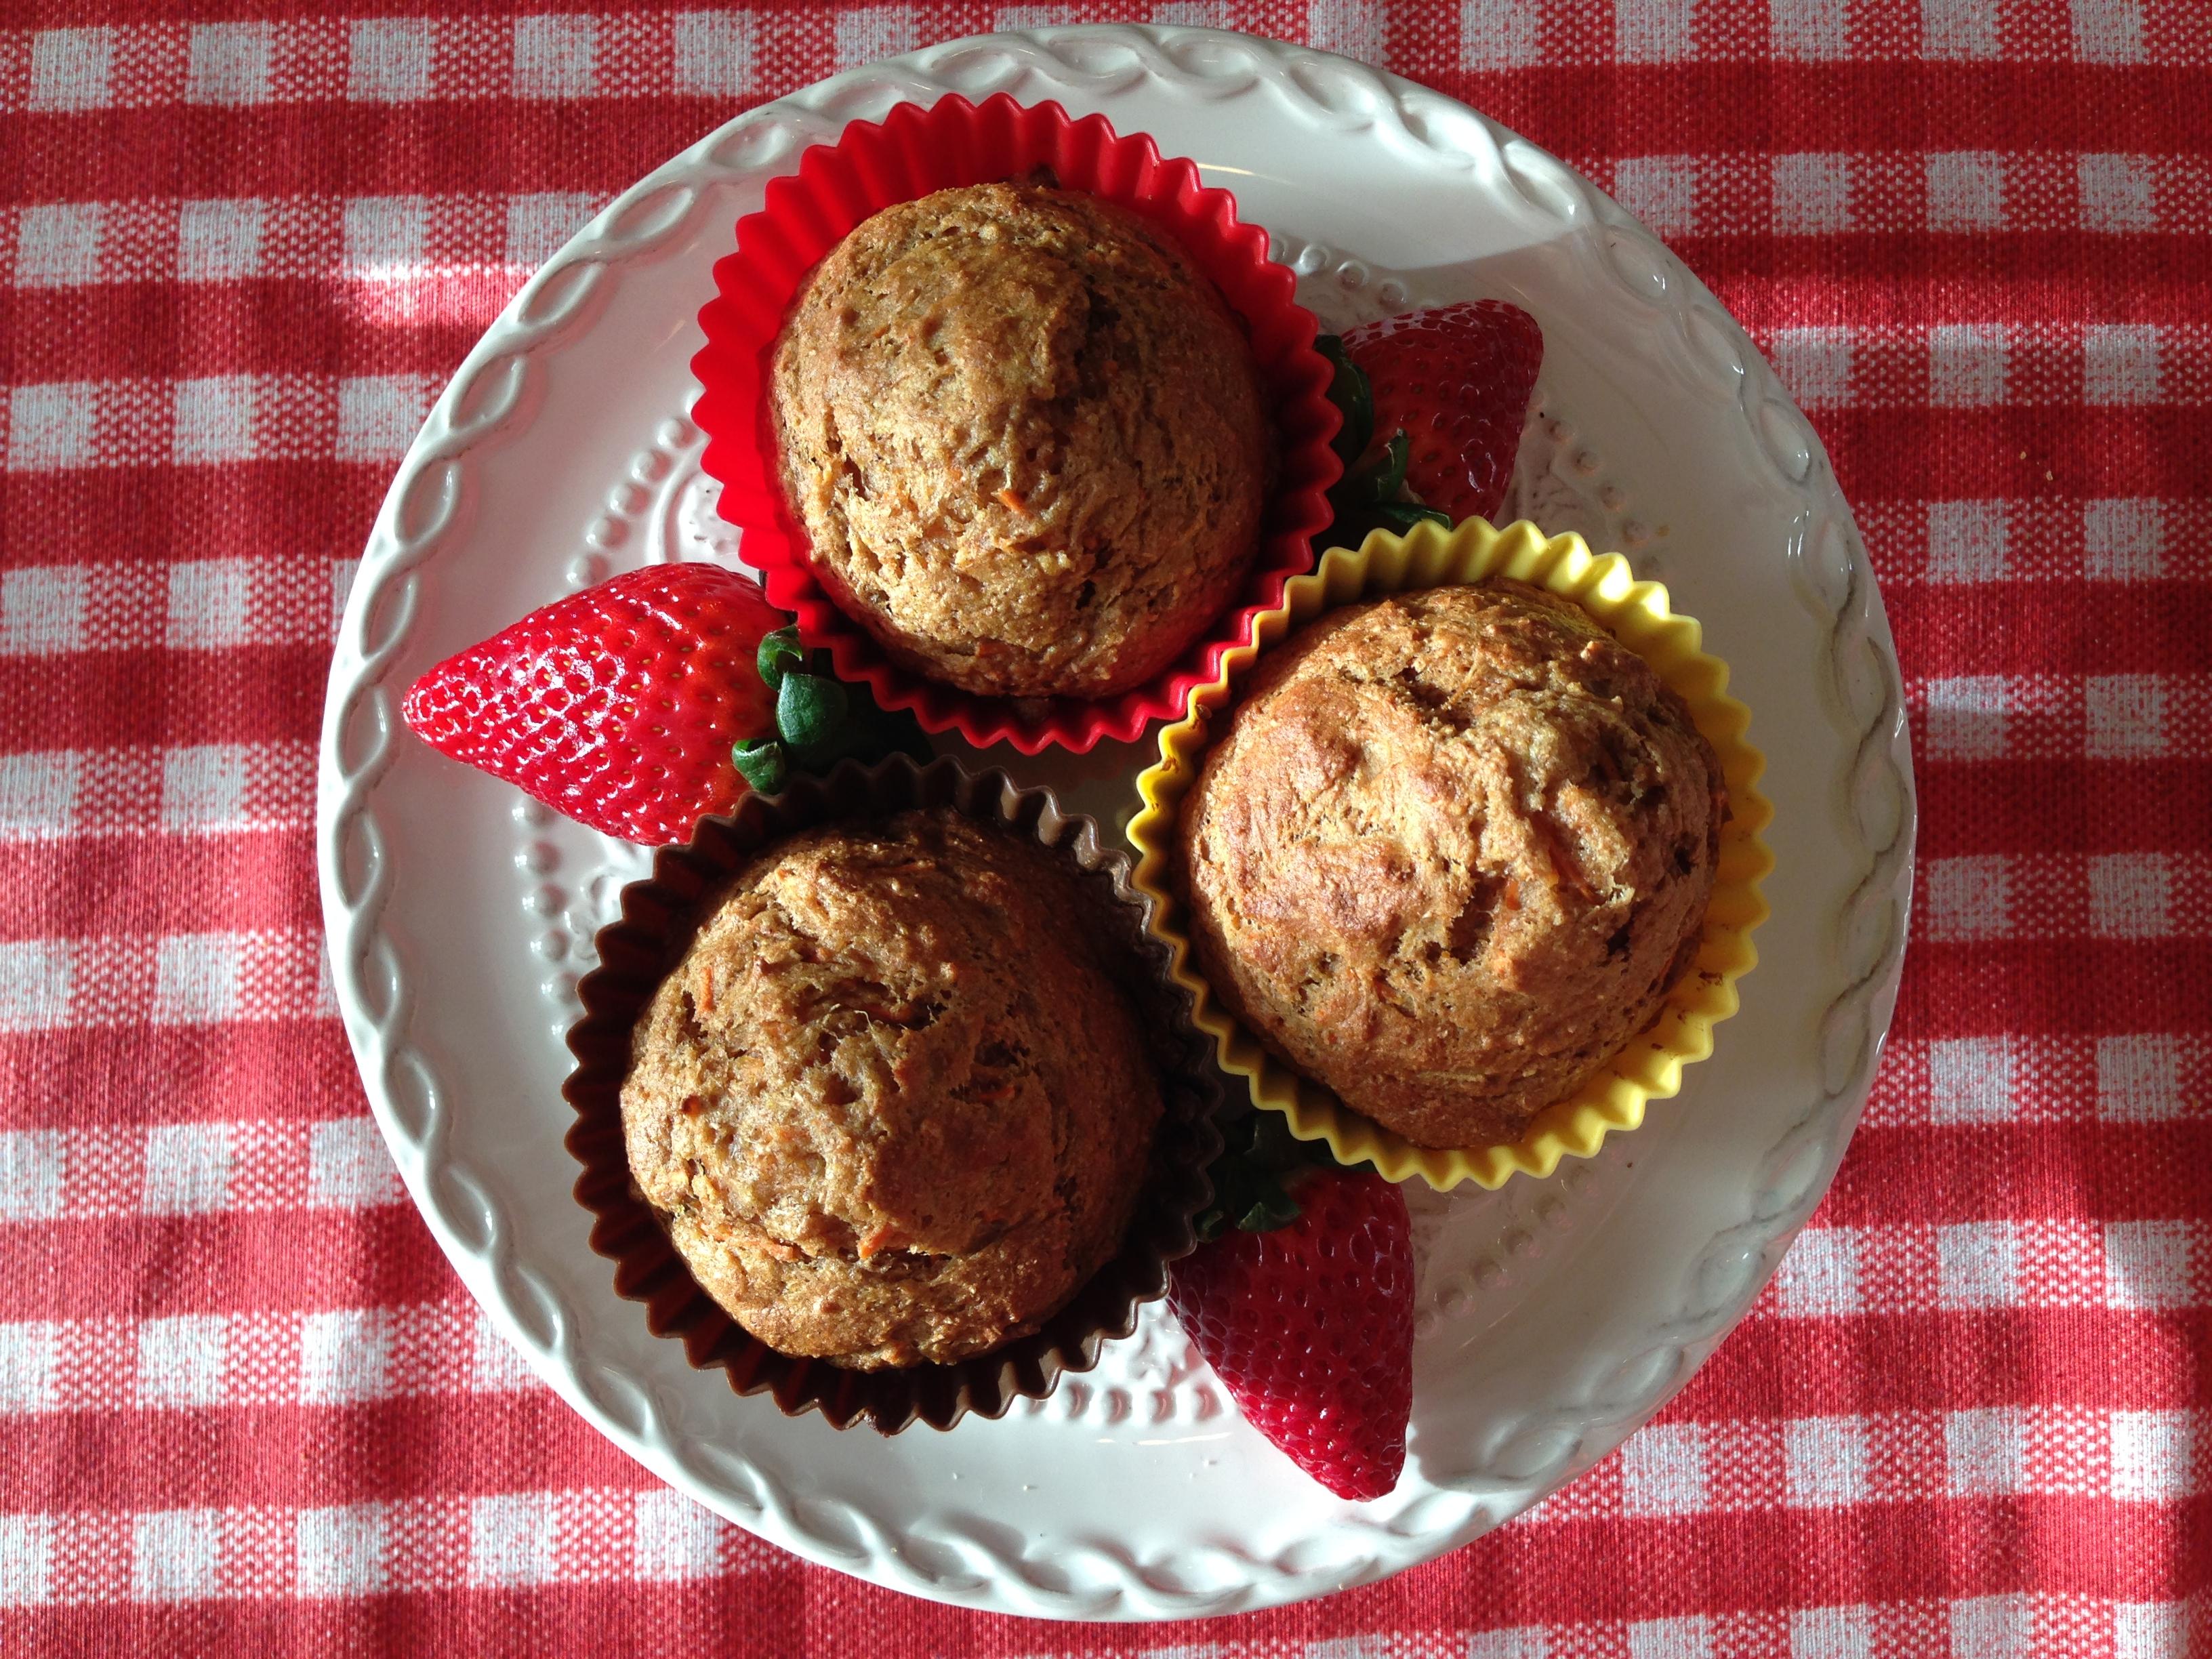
pixel 1650 1066
pixel 912 151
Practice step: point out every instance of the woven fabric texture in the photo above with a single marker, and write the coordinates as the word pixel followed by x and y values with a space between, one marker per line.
pixel 246 1406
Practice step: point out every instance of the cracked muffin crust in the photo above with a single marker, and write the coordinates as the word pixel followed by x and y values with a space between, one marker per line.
pixel 893 1104
pixel 1449 856
pixel 1025 438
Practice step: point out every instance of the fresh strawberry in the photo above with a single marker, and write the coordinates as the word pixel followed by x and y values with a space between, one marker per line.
pixel 618 706
pixel 1457 381
pixel 1310 1322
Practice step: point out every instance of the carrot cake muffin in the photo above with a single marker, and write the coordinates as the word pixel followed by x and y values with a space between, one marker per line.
pixel 1025 438
pixel 1451 853
pixel 891 1107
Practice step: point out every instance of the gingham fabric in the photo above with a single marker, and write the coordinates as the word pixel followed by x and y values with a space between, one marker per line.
pixel 246 1406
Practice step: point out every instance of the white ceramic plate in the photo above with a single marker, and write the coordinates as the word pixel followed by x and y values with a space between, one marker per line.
pixel 1555 1316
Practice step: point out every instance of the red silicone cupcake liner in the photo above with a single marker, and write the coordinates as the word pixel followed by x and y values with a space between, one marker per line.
pixel 912 152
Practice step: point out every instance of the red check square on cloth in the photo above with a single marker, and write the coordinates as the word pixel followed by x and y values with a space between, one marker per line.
pixel 245 1405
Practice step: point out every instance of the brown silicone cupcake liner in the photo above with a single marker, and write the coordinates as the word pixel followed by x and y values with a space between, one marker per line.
pixel 659 915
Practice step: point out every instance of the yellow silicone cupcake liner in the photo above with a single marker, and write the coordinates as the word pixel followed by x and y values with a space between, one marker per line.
pixel 1649 1066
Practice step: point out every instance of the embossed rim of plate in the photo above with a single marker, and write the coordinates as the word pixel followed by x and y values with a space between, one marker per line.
pixel 1300 96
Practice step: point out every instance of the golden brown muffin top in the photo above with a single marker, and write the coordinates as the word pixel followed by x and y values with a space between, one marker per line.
pixel 891 1101
pixel 1025 437
pixel 1450 853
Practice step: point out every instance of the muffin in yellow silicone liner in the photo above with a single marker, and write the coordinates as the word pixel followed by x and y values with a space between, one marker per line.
pixel 1650 1066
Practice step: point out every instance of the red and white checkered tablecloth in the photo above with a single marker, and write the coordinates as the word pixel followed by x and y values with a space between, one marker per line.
pixel 245 1405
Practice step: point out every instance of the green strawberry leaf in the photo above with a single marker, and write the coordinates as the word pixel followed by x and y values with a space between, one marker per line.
pixel 1272 1208
pixel 810 714
pixel 1256 1176
pixel 1350 527
pixel 760 762
pixel 778 653
pixel 1390 467
pixel 1404 515
pixel 1379 479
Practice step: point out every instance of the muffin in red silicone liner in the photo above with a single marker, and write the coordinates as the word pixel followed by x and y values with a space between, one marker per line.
pixel 913 153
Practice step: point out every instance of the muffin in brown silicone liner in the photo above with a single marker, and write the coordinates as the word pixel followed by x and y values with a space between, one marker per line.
pixel 659 915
